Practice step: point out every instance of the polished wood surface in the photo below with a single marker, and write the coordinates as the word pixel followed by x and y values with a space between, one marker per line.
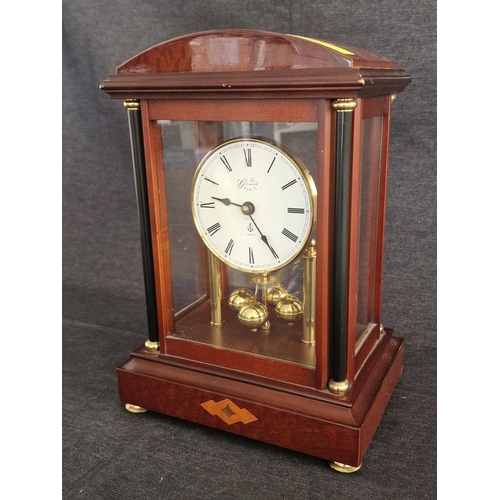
pixel 277 353
pixel 262 110
pixel 282 84
pixel 320 426
pixel 324 225
pixel 247 50
pixel 231 64
pixel 159 224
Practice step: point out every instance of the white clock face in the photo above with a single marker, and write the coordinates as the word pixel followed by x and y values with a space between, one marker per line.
pixel 253 205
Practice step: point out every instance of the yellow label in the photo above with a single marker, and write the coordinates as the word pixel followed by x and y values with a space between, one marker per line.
pixel 327 45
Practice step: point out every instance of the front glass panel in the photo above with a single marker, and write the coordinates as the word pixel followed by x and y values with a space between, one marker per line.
pixel 367 220
pixel 250 203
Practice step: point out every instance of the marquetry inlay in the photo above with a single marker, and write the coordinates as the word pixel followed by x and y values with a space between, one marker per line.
pixel 228 411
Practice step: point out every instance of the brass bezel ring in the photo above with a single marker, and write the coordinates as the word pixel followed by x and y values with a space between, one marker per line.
pixel 302 171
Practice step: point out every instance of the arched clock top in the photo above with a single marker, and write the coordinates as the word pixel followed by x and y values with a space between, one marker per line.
pixel 234 64
pixel 247 50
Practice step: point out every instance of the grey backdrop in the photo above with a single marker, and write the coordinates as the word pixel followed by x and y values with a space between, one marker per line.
pixel 109 453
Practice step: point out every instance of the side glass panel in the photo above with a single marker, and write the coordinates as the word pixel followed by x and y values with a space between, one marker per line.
pixel 368 217
pixel 185 145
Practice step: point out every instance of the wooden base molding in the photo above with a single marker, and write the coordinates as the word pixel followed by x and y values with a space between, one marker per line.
pixel 311 421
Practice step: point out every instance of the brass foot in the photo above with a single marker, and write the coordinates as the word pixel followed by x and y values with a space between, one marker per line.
pixel 346 469
pixel 135 408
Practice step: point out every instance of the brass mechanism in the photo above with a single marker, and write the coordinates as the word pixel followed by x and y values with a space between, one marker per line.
pixel 215 270
pixel 309 295
pixel 254 313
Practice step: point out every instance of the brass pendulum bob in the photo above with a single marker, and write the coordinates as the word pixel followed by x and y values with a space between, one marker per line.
pixel 240 298
pixel 289 309
pixel 253 315
pixel 275 293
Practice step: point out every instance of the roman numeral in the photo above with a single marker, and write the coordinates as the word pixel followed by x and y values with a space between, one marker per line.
pixel 250 256
pixel 289 234
pixel 248 157
pixel 229 247
pixel 213 229
pixel 291 183
pixel 271 166
pixel 295 210
pixel 210 180
pixel 210 204
pixel 226 163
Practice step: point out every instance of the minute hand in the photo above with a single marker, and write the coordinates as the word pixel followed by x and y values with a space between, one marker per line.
pixel 264 238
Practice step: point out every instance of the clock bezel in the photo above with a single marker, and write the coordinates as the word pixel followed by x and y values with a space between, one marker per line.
pixel 310 188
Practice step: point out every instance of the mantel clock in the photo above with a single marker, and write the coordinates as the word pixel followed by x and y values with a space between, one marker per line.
pixel 260 163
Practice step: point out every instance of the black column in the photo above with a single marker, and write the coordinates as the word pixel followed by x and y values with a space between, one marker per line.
pixel 139 164
pixel 341 243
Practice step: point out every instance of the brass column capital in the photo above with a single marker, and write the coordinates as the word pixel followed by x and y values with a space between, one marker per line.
pixel 132 104
pixel 344 105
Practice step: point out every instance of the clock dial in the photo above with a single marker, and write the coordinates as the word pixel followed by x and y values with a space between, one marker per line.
pixel 253 205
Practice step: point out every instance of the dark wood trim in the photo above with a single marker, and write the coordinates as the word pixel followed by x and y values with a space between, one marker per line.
pixel 326 83
pixel 384 81
pixel 371 108
pixel 346 399
pixel 375 106
pixel 159 225
pixel 237 360
pixel 382 203
pixel 266 110
pixel 353 214
pixel 324 231
pixel 365 347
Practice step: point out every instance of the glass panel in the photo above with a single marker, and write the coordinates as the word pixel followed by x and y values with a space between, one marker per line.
pixel 253 207
pixel 368 217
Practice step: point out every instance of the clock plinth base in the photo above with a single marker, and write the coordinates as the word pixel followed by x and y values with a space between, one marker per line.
pixel 316 422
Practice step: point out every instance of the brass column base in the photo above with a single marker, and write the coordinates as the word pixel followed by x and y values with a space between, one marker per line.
pixel 346 469
pixel 135 408
pixel 152 346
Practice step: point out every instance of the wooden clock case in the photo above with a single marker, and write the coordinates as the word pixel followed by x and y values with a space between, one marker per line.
pixel 331 410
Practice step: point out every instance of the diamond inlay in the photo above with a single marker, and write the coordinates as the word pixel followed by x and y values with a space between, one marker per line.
pixel 229 412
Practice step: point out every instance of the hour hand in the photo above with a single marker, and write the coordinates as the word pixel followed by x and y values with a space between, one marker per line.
pixel 226 201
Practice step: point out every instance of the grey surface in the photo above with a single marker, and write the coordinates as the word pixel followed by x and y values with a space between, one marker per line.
pixel 111 454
